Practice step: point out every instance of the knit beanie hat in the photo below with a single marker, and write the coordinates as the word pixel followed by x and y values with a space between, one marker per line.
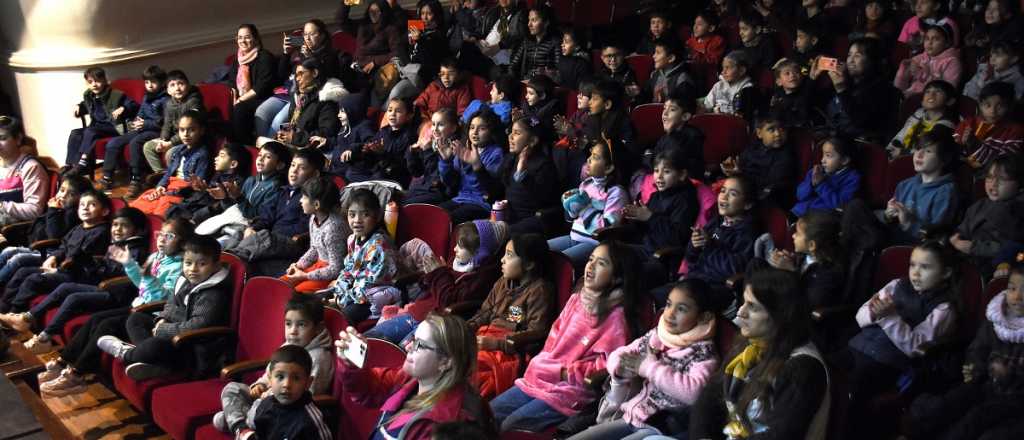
pixel 492 235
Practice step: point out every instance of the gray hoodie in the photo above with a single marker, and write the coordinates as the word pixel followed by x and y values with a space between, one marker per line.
pixel 320 348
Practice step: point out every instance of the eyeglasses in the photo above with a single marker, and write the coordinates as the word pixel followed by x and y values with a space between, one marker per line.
pixel 418 345
pixel 167 235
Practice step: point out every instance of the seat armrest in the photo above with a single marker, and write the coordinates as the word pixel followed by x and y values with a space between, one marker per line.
pixel 111 283
pixel 44 244
pixel 192 336
pixel 520 340
pixel 16 230
pixel 154 306
pixel 237 369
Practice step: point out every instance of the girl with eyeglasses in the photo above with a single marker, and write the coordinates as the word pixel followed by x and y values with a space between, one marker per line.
pixel 432 386
pixel 152 281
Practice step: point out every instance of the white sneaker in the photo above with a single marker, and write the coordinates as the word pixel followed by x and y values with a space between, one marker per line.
pixel 141 371
pixel 113 346
pixel 220 422
pixel 53 369
pixel 66 384
pixel 38 345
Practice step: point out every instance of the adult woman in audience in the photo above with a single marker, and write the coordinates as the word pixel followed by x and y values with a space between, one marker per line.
pixel 431 387
pixel 23 180
pixel 864 102
pixel 427 47
pixel 505 25
pixel 775 383
pixel 540 51
pixel 379 39
pixel 313 107
pixel 316 44
pixel 253 77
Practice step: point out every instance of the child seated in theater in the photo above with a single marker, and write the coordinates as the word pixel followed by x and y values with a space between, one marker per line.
pixel 189 161
pixel 323 260
pixel 609 119
pixel 597 203
pixel 469 277
pixel 900 322
pixel 592 324
pixel 71 261
pixel 669 76
pixel 994 221
pixel 791 100
pixel 567 153
pixel 206 199
pixel 937 112
pixel 927 201
pixel 201 298
pixel 991 133
pixel 757 44
pixel 724 246
pixel 940 60
pixel 383 155
pixel 503 91
pixel 107 109
pixel 144 127
pixel 671 210
pixel 363 285
pixel 128 233
pixel 422 159
pixel 277 231
pixel 288 411
pixel 184 97
pixel 61 215
pixel 463 162
pixel 705 45
pixel 448 90
pixel 1002 66
pixel 575 65
pixel 354 131
pixel 615 68
pixel 527 178
pixel 806 48
pixel 303 329
pixel 770 162
pixel 913 32
pixel 680 135
pixel 988 401
pixel 540 101
pixel 831 184
pixel 519 308
pixel 734 93
pixel 241 205
pixel 150 282
pixel 659 29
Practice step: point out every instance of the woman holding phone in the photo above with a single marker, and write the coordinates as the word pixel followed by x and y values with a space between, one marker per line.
pixel 431 387
pixel 428 45
pixel 314 43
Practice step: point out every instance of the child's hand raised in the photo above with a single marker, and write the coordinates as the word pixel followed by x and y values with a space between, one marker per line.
pixel 232 189
pixel 119 254
pixel 256 390
pixel 54 202
pixel 817 175
pixel 561 125
pixel 217 192
pixel 782 259
pixel 638 212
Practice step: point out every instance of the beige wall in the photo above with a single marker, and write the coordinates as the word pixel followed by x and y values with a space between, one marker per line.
pixel 49 43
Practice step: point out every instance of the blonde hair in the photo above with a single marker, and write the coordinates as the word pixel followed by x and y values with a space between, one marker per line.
pixel 455 341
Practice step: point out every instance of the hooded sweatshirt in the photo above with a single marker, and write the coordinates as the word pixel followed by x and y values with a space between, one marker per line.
pixel 726 97
pixel 926 68
pixel 173 109
pixel 321 350
pixel 934 203
pixel 158 282
pixel 460 176
pixel 989 225
pixel 594 205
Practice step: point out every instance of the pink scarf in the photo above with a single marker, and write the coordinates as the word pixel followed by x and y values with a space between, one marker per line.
pixel 242 79
pixel 703 331
pixel 591 300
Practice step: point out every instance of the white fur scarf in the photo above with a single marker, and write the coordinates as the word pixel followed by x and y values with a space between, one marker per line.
pixel 1008 329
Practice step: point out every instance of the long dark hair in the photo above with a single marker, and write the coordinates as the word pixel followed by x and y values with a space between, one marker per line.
pixel 255 33
pixel 779 292
pixel 625 271
pixel 493 123
pixel 436 8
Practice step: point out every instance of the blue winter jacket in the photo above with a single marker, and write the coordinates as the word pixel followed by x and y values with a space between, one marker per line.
pixel 931 202
pixel 456 174
pixel 832 193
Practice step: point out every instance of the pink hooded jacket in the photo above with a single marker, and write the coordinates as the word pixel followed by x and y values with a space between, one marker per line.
pixel 582 346
pixel 918 71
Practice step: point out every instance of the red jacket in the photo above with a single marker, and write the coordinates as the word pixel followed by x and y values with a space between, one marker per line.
pixel 389 388
pixel 707 50
pixel 436 96
pixel 444 287
pixel 992 141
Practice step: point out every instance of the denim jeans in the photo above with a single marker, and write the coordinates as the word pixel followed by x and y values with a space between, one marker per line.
pixel 394 330
pixel 577 251
pixel 14 258
pixel 73 299
pixel 271 114
pixel 514 409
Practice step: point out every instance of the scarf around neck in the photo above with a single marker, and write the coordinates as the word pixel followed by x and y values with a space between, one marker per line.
pixel 591 300
pixel 736 373
pixel 243 80
pixel 1007 328
pixel 700 332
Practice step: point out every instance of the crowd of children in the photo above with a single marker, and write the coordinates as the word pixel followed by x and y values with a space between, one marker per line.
pixel 866 131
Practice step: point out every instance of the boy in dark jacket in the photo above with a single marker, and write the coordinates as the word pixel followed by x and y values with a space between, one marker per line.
pixel 107 109
pixel 145 127
pixel 790 102
pixel 230 166
pixel 660 29
pixel 615 68
pixel 384 155
pixel 769 163
pixel 669 76
pixel 289 411
pixel 354 131
pixel 574 65
pixel 202 298
pixel 184 97
pixel 679 135
pixel 277 231
pixel 996 221
pixel 72 261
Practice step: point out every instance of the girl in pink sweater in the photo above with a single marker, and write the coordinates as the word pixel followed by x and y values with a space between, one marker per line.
pixel 940 60
pixel 591 326
pixel 673 361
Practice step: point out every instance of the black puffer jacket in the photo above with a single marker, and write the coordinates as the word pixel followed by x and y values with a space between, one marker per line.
pixel 533 56
pixel 319 113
